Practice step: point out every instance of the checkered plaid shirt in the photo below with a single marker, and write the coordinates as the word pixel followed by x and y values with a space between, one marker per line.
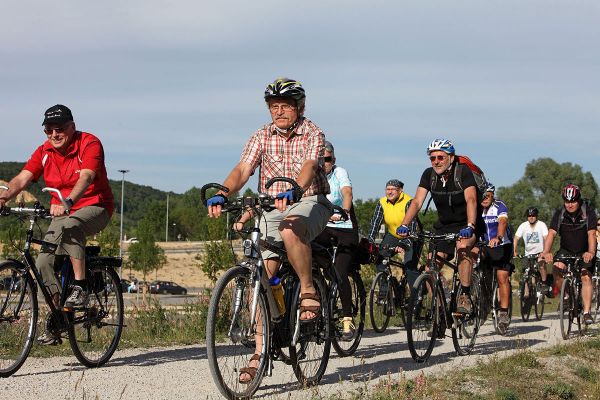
pixel 278 156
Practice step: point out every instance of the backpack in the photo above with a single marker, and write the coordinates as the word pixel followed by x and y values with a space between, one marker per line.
pixel 463 162
pixel 584 206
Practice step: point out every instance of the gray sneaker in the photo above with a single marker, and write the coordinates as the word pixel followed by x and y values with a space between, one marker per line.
pixel 77 298
pixel 588 319
pixel 503 321
pixel 464 305
pixel 48 339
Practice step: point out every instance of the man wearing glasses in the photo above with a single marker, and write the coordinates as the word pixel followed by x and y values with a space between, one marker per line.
pixel 290 146
pixel 577 232
pixel 458 210
pixel 72 162
pixel 390 210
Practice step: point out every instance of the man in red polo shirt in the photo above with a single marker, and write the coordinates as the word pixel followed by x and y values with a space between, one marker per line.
pixel 72 162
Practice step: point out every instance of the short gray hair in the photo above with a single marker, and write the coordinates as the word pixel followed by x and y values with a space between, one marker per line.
pixel 328 147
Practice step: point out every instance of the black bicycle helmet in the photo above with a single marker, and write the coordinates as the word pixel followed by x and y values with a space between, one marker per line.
pixel 531 212
pixel 285 87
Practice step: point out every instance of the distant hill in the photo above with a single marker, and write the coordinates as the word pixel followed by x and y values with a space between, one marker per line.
pixel 137 197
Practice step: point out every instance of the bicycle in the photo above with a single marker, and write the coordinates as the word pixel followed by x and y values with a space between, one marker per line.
pixel 596 291
pixel 388 294
pixel 431 309
pixel 94 331
pixel 570 308
pixel 243 312
pixel 325 257
pixel 531 293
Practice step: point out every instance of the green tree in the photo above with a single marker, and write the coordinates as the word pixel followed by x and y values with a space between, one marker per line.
pixel 541 186
pixel 145 256
pixel 108 238
pixel 218 255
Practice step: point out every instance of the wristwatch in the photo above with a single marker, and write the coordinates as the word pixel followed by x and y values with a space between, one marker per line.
pixel 69 202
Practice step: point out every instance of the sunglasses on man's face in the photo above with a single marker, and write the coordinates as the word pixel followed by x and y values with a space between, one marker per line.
pixel 328 159
pixel 58 129
pixel 438 157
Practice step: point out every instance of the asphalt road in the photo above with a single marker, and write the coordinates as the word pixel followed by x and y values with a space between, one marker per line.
pixel 182 372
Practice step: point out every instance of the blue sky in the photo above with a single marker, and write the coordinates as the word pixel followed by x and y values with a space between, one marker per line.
pixel 174 89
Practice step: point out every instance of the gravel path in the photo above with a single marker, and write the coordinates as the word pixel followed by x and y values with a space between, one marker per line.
pixel 182 372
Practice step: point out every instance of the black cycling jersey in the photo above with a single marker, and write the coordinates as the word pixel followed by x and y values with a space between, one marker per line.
pixel 574 229
pixel 449 199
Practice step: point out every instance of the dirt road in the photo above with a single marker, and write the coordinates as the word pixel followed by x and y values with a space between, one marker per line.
pixel 182 372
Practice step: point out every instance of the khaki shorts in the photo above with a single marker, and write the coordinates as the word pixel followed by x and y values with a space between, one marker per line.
pixel 314 211
pixel 69 233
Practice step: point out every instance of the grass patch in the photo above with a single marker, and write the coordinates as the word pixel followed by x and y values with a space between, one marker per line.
pixel 560 389
pixel 543 374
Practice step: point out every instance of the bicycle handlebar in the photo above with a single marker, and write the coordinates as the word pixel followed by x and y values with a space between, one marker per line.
pixel 60 197
pixel 37 210
pixel 434 236
pixel 263 199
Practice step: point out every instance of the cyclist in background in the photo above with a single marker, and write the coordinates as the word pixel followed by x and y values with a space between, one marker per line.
pixel 346 233
pixel 391 210
pixel 498 252
pixel 290 146
pixel 457 209
pixel 533 232
pixel 577 238
pixel 72 162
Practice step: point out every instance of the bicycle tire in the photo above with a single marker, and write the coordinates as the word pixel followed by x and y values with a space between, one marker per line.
pixel 18 316
pixel 229 341
pixel 465 329
pixel 422 319
pixel 525 295
pixel 95 331
pixel 596 299
pixel 566 308
pixel 540 299
pixel 380 302
pixel 342 348
pixel 310 355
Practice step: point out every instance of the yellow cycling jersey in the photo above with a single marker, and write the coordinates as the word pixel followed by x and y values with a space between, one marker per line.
pixel 393 214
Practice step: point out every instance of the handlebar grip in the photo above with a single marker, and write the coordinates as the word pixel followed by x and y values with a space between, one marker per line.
pixel 213 185
pixel 60 197
pixel 343 213
pixel 297 189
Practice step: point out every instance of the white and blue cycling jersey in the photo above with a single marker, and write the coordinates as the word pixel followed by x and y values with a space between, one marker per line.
pixel 338 178
pixel 497 210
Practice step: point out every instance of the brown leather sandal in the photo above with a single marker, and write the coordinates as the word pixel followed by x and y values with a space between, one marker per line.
pixel 313 309
pixel 251 371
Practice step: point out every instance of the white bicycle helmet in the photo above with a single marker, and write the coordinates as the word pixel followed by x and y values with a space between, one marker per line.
pixel 441 145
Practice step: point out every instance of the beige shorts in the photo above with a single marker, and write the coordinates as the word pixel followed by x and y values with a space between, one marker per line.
pixel 314 211
pixel 69 233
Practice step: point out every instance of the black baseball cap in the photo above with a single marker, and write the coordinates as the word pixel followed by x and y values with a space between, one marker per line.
pixel 57 114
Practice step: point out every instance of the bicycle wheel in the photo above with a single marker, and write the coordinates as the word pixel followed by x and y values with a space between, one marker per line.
pixel 423 318
pixel 596 299
pixel 343 348
pixel 566 308
pixel 95 331
pixel 466 327
pixel 230 340
pixel 381 300
pixel 526 292
pixel 540 298
pixel 310 355
pixel 18 316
